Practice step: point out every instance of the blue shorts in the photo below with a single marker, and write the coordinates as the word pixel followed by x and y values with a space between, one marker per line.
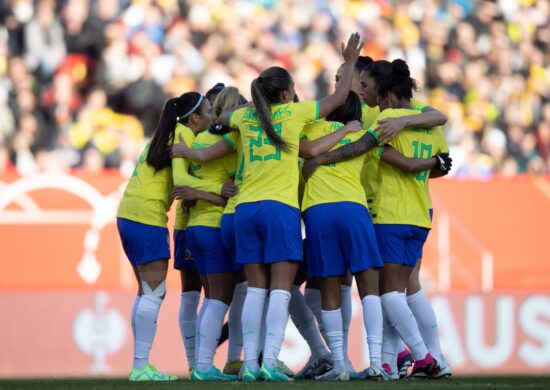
pixel 228 235
pixel 401 244
pixel 209 252
pixel 183 258
pixel 267 232
pixel 340 236
pixel 143 243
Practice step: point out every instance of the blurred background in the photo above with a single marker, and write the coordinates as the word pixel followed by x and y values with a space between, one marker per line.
pixel 82 84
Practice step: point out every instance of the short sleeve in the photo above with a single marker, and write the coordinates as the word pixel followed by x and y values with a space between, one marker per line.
pixel 418 105
pixel 232 138
pixel 235 118
pixel 307 111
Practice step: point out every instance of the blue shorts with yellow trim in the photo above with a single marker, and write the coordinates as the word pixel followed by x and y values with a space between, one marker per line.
pixel 183 258
pixel 340 236
pixel 208 250
pixel 267 232
pixel 401 244
pixel 143 243
pixel 228 235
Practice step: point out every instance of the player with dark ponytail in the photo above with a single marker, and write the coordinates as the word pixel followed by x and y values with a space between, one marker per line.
pixel 267 219
pixel 142 218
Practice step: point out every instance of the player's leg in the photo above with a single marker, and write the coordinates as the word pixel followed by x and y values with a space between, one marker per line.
pixel 190 294
pixel 306 324
pixel 234 331
pixel 346 307
pixel 281 232
pixel 250 253
pixel 422 308
pixel 393 243
pixel 148 250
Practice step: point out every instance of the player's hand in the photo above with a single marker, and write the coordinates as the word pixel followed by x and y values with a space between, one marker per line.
pixel 443 162
pixel 179 150
pixel 309 167
pixel 389 128
pixel 351 51
pixel 229 190
pixel 184 193
pixel 353 127
pixel 187 204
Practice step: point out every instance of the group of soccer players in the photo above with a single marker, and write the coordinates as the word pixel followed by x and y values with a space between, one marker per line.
pixel 353 166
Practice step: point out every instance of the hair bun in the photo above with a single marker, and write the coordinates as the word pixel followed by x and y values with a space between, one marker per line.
pixel 364 60
pixel 400 68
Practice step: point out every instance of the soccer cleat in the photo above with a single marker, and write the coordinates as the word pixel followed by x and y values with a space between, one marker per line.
pixel 404 361
pixel 149 373
pixel 392 375
pixel 374 373
pixel 315 367
pixel 281 366
pixel 212 375
pixel 247 375
pixel 425 368
pixel 332 376
pixel 444 372
pixel 274 374
pixel 233 368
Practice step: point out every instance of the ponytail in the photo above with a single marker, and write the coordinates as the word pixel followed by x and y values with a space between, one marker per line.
pixel 175 110
pixel 265 91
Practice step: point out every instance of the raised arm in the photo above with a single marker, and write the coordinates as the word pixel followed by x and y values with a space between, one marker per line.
pixel 388 128
pixel 350 52
pixel 313 148
pixel 213 152
pixel 345 152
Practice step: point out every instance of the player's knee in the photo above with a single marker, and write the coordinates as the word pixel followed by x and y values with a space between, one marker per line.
pixel 155 288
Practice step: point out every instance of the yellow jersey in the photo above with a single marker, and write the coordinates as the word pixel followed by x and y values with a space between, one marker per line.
pixel 339 182
pixel 370 169
pixel 234 139
pixel 219 171
pixel 148 194
pixel 271 173
pixel 368 115
pixel 181 176
pixel 404 198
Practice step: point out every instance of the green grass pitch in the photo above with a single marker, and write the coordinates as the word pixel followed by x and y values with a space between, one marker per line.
pixel 457 383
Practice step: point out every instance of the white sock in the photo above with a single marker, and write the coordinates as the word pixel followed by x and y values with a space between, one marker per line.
pixel 235 326
pixel 188 322
pixel 252 323
pixel 276 321
pixel 210 330
pixel 346 315
pixel 373 320
pixel 427 323
pixel 313 299
pixel 390 343
pixel 402 319
pixel 146 314
pixel 305 323
pixel 332 321
pixel 197 330
pixel 133 315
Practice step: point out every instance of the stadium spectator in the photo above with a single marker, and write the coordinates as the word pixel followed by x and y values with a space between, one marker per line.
pixel 486 64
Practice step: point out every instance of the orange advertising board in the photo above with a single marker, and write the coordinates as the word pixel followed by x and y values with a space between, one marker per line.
pixel 486 266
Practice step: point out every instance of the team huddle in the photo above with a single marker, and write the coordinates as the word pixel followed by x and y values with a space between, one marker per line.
pixel 353 167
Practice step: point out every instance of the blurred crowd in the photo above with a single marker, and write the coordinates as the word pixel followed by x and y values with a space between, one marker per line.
pixel 82 83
